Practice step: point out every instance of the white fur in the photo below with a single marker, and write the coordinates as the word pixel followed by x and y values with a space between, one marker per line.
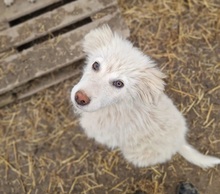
pixel 139 118
pixel 10 2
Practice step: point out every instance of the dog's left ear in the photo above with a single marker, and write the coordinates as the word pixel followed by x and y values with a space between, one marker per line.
pixel 97 38
pixel 151 85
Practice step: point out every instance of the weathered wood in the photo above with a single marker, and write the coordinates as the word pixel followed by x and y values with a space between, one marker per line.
pixel 21 8
pixel 51 55
pixel 50 21
pixel 4 25
pixel 37 85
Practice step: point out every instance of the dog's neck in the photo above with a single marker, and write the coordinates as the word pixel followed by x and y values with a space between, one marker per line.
pixel 131 105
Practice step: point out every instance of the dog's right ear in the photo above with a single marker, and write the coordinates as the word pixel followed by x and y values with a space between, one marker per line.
pixel 97 38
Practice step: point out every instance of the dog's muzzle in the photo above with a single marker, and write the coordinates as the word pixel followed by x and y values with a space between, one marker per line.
pixel 81 98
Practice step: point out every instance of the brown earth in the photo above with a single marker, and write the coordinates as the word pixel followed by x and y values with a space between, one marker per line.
pixel 42 149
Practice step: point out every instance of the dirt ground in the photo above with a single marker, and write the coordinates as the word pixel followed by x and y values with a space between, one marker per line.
pixel 43 150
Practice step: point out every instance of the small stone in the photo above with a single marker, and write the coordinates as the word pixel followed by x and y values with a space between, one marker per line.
pixel 186 188
pixel 139 192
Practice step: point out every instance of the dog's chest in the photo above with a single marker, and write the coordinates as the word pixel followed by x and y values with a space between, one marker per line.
pixel 115 128
pixel 102 127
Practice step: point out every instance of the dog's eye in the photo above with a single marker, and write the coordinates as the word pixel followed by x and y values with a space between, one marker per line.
pixel 95 66
pixel 118 84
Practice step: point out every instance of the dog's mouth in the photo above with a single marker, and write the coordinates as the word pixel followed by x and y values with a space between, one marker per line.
pixel 85 108
pixel 80 109
pixel 77 106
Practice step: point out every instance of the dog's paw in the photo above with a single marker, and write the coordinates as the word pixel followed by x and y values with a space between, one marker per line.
pixel 8 2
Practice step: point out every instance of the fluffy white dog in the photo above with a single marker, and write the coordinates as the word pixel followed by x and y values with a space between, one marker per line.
pixel 122 103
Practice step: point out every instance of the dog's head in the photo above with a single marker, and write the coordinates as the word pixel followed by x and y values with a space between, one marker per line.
pixel 116 72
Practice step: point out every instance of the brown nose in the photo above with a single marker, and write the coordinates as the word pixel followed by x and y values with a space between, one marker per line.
pixel 81 98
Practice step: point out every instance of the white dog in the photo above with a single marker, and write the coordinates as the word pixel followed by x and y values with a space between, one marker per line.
pixel 122 103
pixel 10 2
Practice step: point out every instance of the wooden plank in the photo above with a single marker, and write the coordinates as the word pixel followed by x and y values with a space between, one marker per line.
pixel 49 22
pixel 21 8
pixel 4 25
pixel 37 85
pixel 50 55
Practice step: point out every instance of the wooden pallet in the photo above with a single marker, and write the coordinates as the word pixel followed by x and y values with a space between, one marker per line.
pixel 44 48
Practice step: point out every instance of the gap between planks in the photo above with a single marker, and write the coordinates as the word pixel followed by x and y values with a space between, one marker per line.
pixel 50 22
pixel 21 8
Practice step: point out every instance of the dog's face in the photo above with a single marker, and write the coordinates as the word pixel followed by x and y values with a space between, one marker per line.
pixel 115 72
